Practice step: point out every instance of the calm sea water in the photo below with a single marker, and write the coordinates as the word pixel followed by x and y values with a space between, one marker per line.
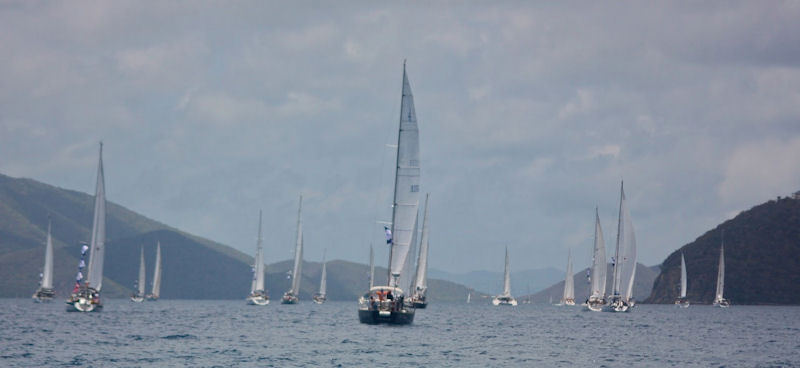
pixel 232 334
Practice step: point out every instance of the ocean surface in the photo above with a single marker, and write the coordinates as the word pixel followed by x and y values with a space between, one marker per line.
pixel 231 334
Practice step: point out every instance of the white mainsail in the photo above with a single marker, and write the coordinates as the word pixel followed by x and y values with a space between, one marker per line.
pixel 298 251
pixel 683 277
pixel 406 190
pixel 323 282
pixel 421 283
pixel 140 283
pixel 598 261
pixel 98 244
pixel 569 282
pixel 157 272
pixel 47 273
pixel 506 279
pixel 625 259
pixel 720 275
pixel 258 266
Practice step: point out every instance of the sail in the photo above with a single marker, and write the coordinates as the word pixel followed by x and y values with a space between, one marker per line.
pixel 721 274
pixel 47 273
pixel 95 269
pixel 598 261
pixel 298 251
pixel 371 268
pixel 140 282
pixel 683 277
pixel 157 272
pixel 258 279
pixel 507 278
pixel 569 282
pixel 625 255
pixel 406 279
pixel 421 283
pixel 323 282
pixel 406 186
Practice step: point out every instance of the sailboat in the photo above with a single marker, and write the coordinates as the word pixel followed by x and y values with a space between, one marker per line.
pixel 290 297
pixel 505 298
pixel 156 292
pixel 569 284
pixel 258 296
pixel 421 282
pixel 597 298
pixel 387 304
pixel 46 293
pixel 138 296
pixel 621 299
pixel 720 301
pixel 85 297
pixel 469 296
pixel 682 301
pixel 321 296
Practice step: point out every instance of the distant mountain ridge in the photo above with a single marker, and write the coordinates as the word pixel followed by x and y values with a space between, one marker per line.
pixel 491 282
pixel 762 259
pixel 642 285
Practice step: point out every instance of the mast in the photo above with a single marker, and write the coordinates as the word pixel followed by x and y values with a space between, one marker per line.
pixel 406 185
pixel 598 260
pixel 507 278
pixel 259 266
pixel 95 269
pixel 298 251
pixel 47 273
pixel 683 277
pixel 141 282
pixel 422 260
pixel 157 272
pixel 323 283
pixel 371 268
pixel 569 282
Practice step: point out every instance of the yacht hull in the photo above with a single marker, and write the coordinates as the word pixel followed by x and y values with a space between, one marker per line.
pixel 374 317
pixel 83 305
pixel 257 300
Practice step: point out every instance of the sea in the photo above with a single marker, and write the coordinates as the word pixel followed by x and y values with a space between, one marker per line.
pixel 216 333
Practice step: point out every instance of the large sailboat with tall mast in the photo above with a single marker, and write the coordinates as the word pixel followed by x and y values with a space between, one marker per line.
pixel 682 301
pixel 419 298
pixel 388 304
pixel 45 293
pixel 597 298
pixel 322 295
pixel 85 296
pixel 291 296
pixel 505 298
pixel 568 297
pixel 155 293
pixel 258 295
pixel 719 300
pixel 621 299
pixel 138 295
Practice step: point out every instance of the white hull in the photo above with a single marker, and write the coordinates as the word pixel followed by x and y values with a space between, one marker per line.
pixel 724 303
pixel 83 305
pixel 504 301
pixel 137 299
pixel 594 307
pixel 618 305
pixel 257 300
pixel 569 303
pixel 682 303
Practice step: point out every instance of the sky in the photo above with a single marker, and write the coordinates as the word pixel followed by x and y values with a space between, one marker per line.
pixel 530 116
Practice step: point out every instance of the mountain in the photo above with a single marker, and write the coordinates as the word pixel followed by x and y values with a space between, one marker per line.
pixel 193 267
pixel 491 282
pixel 642 285
pixel 762 259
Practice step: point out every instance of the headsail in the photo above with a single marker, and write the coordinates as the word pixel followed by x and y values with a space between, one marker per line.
pixel 157 272
pixel 97 246
pixel 298 251
pixel 506 279
pixel 721 274
pixel 406 187
pixel 47 273
pixel 625 261
pixel 140 283
pixel 258 267
pixel 683 277
pixel 569 281
pixel 420 282
pixel 598 261
pixel 323 282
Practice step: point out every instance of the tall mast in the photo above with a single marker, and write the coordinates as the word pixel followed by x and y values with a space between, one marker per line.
pixel 97 245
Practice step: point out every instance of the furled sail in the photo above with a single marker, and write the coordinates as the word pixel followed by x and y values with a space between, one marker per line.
pixel 157 272
pixel 140 283
pixel 97 246
pixel 683 277
pixel 569 282
pixel 298 251
pixel 420 282
pixel 406 188
pixel 47 273
pixel 598 261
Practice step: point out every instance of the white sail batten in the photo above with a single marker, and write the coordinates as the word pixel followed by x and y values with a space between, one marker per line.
pixel 406 187
pixel 298 251
pixel 598 261
pixel 421 282
pixel 720 275
pixel 683 277
pixel 47 273
pixel 569 282
pixel 506 279
pixel 97 245
pixel 258 278
pixel 157 272
pixel 140 283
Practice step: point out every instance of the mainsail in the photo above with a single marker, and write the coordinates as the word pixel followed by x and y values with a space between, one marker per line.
pixel 506 279
pixel 421 283
pixel 157 272
pixel 598 261
pixel 625 260
pixel 140 283
pixel 258 266
pixel 683 277
pixel 720 274
pixel 323 282
pixel 298 251
pixel 97 246
pixel 406 190
pixel 569 282
pixel 47 273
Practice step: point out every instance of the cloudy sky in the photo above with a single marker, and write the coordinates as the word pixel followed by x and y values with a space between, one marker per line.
pixel 530 115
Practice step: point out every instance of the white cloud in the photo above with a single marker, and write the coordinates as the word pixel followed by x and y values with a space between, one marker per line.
pixel 761 171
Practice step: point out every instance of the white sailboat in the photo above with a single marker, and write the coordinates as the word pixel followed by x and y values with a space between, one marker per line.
pixel 138 296
pixel 469 297
pixel 420 281
pixel 155 293
pixel 46 293
pixel 258 295
pixel 290 297
pixel 597 299
pixel 387 304
pixel 85 297
pixel 322 295
pixel 569 284
pixel 505 298
pixel 719 300
pixel 621 299
pixel 682 301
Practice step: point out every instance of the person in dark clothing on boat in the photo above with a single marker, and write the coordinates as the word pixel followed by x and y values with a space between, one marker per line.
pixel 389 296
